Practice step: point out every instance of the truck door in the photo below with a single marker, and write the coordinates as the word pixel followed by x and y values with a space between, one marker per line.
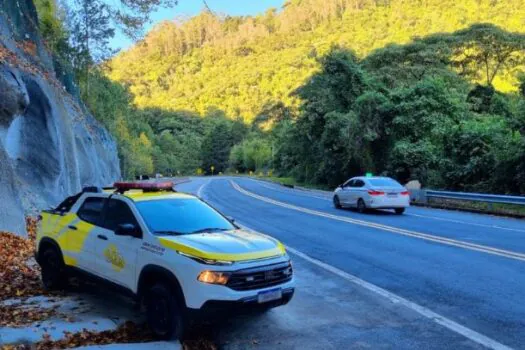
pixel 80 238
pixel 117 254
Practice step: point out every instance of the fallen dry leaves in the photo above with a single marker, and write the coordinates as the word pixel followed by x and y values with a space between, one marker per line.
pixel 200 337
pixel 29 47
pixel 16 316
pixel 21 278
pixel 126 333
pixel 18 271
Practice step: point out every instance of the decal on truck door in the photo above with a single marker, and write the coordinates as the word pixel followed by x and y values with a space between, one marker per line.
pixel 113 257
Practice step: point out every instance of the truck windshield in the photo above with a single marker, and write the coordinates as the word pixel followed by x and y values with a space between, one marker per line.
pixel 181 217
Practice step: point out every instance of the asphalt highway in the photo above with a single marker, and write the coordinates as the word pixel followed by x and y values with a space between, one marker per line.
pixel 460 271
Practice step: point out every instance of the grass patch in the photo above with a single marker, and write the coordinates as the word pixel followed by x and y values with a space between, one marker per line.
pixel 489 208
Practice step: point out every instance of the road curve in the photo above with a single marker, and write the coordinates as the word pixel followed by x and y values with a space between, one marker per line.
pixel 474 288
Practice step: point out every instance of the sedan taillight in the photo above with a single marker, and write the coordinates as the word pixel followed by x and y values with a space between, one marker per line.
pixel 375 193
pixel 404 193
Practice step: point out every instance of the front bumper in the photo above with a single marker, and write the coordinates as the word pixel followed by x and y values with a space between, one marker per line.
pixel 196 293
pixel 222 308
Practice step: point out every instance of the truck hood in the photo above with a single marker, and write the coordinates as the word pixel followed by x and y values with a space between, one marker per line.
pixel 235 245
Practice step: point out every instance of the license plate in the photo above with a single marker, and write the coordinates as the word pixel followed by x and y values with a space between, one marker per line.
pixel 392 194
pixel 269 295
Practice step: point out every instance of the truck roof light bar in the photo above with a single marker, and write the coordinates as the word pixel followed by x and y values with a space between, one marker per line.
pixel 121 187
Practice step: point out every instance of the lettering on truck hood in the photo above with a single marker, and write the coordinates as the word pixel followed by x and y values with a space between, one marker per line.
pixel 235 245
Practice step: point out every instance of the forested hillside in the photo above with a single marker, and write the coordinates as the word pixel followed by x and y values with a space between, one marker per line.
pixel 240 65
pixel 326 89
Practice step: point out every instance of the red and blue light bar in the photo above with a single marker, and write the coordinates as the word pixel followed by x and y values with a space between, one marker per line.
pixel 122 187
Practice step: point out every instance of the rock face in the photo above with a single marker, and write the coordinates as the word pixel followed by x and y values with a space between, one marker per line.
pixel 50 146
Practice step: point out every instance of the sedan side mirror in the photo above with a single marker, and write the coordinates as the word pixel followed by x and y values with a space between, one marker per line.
pixel 128 230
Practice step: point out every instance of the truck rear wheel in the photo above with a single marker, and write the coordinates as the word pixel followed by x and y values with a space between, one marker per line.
pixel 54 275
pixel 164 313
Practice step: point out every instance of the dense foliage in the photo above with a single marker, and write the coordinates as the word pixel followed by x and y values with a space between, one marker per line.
pixel 431 90
pixel 241 64
pixel 438 128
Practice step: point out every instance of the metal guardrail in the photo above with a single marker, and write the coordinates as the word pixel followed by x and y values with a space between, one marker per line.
pixel 475 197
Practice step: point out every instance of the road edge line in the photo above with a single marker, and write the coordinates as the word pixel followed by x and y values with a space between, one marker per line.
pixel 395 299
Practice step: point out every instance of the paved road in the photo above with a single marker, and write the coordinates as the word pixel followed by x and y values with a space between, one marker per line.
pixel 467 268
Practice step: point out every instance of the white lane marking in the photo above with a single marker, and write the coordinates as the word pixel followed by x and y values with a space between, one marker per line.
pixel 279 188
pixel 438 239
pixel 201 188
pixel 439 319
pixel 293 190
pixel 396 299
pixel 465 223
pixel 305 193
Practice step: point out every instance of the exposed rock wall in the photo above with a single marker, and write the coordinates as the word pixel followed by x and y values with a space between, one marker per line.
pixel 49 145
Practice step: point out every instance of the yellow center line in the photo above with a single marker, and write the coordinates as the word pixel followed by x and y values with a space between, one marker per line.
pixel 420 235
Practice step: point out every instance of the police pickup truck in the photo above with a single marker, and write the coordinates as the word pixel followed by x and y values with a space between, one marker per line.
pixel 175 254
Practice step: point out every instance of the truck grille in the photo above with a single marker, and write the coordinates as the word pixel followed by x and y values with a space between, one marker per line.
pixel 260 277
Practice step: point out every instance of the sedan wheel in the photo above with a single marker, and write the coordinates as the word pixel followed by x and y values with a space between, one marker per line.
pixel 337 203
pixel 361 206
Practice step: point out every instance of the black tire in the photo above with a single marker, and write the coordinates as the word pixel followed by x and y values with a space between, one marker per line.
pixel 164 312
pixel 361 206
pixel 399 211
pixel 337 203
pixel 54 275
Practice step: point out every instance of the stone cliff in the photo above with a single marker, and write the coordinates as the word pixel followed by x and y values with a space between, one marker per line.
pixel 50 146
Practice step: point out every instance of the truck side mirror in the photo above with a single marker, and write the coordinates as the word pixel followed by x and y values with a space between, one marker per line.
pixel 128 230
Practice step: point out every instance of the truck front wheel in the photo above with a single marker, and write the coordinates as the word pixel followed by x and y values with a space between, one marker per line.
pixel 165 315
pixel 53 269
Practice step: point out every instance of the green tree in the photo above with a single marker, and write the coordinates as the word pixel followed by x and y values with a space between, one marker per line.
pixel 216 147
pixel 90 34
pixel 252 154
pixel 331 92
pixel 484 50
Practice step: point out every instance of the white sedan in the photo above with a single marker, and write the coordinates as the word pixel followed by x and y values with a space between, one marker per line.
pixel 372 192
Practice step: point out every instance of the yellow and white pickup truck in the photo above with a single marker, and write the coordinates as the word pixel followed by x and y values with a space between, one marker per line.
pixel 171 251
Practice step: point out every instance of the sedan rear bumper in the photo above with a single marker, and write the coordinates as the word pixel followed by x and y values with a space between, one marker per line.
pixel 384 202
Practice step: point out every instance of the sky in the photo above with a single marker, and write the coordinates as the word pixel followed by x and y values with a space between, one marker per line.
pixel 188 8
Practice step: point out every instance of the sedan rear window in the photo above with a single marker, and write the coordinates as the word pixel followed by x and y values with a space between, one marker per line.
pixel 384 183
pixel 181 216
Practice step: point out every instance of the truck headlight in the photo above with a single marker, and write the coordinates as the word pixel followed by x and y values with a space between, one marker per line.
pixel 213 277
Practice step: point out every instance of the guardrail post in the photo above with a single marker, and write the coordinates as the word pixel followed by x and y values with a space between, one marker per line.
pixel 423 196
pixel 418 196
